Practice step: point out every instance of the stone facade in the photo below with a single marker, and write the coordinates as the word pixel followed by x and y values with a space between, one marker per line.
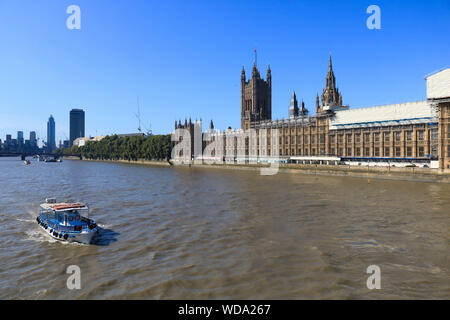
pixel 256 97
pixel 444 135
pixel 188 150
pixel 415 132
pixel 302 135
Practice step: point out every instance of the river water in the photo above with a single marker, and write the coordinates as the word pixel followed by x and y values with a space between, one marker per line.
pixel 202 233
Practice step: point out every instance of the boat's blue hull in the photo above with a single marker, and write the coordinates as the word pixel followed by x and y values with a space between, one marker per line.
pixel 85 236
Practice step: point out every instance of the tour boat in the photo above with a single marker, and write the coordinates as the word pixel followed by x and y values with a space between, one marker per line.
pixel 27 162
pixel 65 222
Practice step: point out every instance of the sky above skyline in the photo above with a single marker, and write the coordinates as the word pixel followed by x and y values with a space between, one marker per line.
pixel 184 58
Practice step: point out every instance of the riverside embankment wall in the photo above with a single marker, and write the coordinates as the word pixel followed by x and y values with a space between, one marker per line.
pixel 372 172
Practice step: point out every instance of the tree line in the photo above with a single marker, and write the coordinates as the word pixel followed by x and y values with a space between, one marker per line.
pixel 157 147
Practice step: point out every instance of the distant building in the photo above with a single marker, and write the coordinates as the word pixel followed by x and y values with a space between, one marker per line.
pixel 66 144
pixel 77 124
pixel 195 132
pixel 20 137
pixel 51 141
pixel 8 141
pixel 33 140
pixel 79 142
pixel 397 134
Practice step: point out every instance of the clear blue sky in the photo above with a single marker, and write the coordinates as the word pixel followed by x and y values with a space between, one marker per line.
pixel 184 58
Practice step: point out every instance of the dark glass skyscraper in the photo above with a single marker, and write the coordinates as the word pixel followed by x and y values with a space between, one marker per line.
pixel 51 141
pixel 76 124
pixel 33 140
pixel 20 137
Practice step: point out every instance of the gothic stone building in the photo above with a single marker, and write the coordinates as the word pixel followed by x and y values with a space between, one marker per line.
pixel 406 132
pixel 256 98
pixel 414 132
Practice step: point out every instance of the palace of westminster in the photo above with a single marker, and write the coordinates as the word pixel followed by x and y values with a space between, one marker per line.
pixel 415 132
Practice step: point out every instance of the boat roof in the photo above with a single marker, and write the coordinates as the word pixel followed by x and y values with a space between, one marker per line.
pixel 64 206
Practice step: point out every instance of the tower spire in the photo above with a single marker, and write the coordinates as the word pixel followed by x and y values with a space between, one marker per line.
pixel 331 95
pixel 293 107
pixel 317 103
pixel 330 68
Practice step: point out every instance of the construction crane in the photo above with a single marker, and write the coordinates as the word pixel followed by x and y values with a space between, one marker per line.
pixel 149 130
pixel 138 116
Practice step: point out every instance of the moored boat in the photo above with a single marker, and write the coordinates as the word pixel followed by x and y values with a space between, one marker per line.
pixel 67 222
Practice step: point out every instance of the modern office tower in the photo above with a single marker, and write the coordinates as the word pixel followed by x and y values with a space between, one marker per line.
pixel 33 140
pixel 8 140
pixel 51 142
pixel 76 124
pixel 20 137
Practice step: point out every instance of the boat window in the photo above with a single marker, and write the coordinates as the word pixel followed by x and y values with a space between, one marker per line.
pixel 73 217
pixel 60 217
pixel 49 215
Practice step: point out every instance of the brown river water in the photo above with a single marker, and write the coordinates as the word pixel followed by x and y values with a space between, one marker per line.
pixel 202 233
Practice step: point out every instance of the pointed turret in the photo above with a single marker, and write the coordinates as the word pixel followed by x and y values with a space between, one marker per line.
pixel 317 103
pixel 211 125
pixel 293 107
pixel 269 76
pixel 303 111
pixel 330 95
pixel 255 72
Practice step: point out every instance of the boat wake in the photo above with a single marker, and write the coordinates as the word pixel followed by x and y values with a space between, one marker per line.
pixel 25 220
pixel 38 236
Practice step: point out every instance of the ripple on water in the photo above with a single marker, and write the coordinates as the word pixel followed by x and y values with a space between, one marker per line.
pixel 211 234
